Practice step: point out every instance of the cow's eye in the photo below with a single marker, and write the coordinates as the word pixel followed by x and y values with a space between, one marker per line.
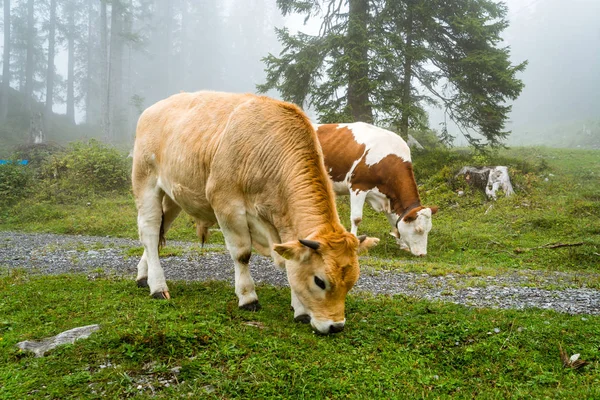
pixel 319 282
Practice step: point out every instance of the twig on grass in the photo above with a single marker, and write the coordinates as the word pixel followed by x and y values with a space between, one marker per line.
pixel 510 331
pixel 547 246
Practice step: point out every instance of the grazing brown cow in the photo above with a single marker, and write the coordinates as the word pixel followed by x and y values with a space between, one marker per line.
pixel 374 165
pixel 253 165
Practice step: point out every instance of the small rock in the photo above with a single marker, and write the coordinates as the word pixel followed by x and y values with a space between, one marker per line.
pixel 175 370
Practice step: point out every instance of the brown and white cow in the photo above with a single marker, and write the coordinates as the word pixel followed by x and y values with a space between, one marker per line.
pixel 374 165
pixel 253 165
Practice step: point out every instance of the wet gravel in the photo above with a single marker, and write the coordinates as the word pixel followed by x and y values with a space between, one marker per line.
pixel 95 256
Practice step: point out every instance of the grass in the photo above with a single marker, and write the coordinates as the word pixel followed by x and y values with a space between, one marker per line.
pixel 202 346
pixel 557 200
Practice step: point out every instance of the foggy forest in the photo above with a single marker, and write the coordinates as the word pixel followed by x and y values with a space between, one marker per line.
pixel 76 69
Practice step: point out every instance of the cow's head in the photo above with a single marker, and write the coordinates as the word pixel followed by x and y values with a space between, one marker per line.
pixel 321 270
pixel 413 228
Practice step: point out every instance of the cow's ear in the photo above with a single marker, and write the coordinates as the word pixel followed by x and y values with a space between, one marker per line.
pixel 433 209
pixel 293 250
pixel 410 217
pixel 365 243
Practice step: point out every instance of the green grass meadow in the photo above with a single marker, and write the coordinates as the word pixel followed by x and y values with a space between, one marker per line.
pixel 557 200
pixel 204 347
pixel 200 345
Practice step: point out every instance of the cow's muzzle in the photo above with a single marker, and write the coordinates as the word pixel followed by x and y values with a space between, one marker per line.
pixel 327 327
pixel 335 328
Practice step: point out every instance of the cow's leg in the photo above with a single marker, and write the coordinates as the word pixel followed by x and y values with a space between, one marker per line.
pixel 392 219
pixel 170 212
pixel 357 202
pixel 150 216
pixel 234 226
pixel 300 313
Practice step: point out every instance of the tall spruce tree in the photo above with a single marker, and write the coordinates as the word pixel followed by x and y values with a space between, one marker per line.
pixel 51 69
pixel 386 60
pixel 4 95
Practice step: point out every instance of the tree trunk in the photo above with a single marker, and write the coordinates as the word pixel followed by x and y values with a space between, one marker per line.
pixel 71 64
pixel 129 116
pixel 358 66
pixel 88 78
pixel 185 42
pixel 489 179
pixel 36 128
pixel 115 69
pixel 105 120
pixel 29 67
pixel 6 64
pixel 50 70
pixel 162 40
pixel 406 86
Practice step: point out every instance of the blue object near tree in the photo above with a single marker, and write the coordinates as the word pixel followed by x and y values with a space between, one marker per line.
pixel 19 162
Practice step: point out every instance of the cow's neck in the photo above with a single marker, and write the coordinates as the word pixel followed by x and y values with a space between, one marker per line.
pixel 404 194
pixel 321 218
pixel 310 212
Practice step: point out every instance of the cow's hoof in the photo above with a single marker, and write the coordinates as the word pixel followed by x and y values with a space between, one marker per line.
pixel 162 295
pixel 254 306
pixel 304 319
pixel 142 282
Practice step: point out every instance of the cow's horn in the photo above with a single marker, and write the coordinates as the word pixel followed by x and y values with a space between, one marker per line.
pixel 313 244
pixel 362 238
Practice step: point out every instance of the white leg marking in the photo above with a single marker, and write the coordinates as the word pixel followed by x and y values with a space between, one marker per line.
pixel 239 243
pixel 357 202
pixel 149 220
pixel 392 219
pixel 298 306
pixel 142 267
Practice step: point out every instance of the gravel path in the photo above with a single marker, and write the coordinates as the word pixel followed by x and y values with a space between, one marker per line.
pixel 56 254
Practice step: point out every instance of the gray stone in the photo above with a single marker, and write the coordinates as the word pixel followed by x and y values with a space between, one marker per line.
pixel 66 337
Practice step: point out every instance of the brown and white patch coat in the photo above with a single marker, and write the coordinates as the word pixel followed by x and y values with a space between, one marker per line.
pixel 374 165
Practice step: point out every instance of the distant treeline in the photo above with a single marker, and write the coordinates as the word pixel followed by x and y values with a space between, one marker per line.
pixel 121 56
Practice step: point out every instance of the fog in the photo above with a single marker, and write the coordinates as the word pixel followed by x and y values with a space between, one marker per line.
pixel 218 45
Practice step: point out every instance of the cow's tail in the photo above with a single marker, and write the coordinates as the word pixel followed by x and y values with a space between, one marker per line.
pixel 202 232
pixel 162 242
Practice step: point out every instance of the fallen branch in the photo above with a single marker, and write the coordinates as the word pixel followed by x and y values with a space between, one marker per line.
pixel 547 246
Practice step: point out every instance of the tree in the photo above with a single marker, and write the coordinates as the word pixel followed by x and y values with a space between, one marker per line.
pixel 386 60
pixel 89 63
pixel 104 110
pixel 4 96
pixel 71 32
pixel 115 69
pixel 50 71
pixel 30 63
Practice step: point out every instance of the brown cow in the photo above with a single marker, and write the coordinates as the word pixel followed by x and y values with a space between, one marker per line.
pixel 253 165
pixel 374 165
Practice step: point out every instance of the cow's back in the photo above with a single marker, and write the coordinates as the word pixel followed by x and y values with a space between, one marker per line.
pixel 175 142
pixel 345 145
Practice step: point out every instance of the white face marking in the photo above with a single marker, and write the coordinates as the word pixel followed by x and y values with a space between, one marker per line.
pixel 378 142
pixel 414 234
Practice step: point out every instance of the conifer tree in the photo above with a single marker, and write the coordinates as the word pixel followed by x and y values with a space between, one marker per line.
pixel 386 60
